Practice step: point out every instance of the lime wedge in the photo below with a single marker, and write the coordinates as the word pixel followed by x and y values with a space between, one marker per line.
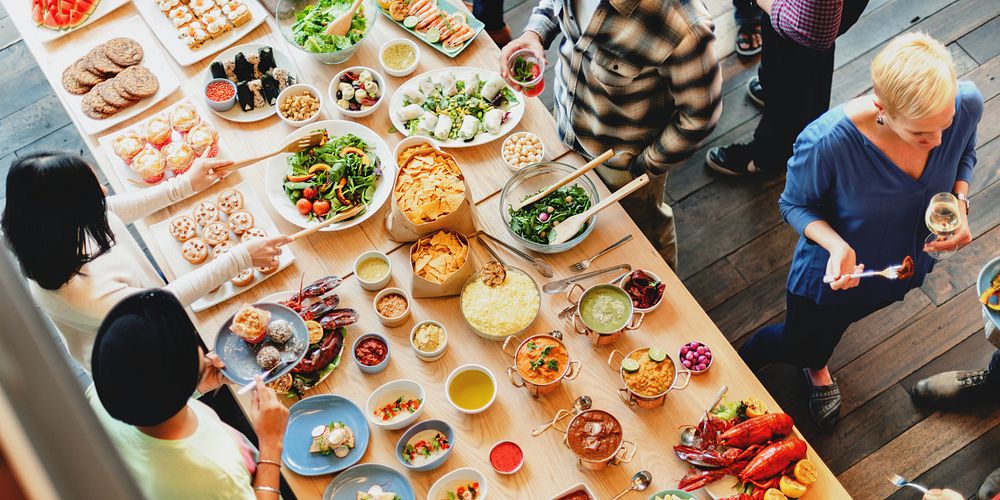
pixel 410 21
pixel 657 354
pixel 630 365
pixel 433 35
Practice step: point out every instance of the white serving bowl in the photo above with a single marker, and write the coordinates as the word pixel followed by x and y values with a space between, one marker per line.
pixel 624 281
pixel 398 320
pixel 433 355
pixel 464 368
pixel 399 72
pixel 513 137
pixel 373 286
pixel 389 392
pixel 466 475
pixel 296 90
pixel 376 77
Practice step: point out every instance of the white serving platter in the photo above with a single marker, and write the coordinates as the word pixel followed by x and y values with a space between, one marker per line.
pixel 129 179
pixel 165 31
pixel 516 113
pixel 22 9
pixel 170 248
pixel 236 113
pixel 153 59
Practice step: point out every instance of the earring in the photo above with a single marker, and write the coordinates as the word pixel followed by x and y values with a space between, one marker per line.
pixel 880 119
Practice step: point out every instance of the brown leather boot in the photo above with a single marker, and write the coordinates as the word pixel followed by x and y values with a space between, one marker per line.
pixel 950 388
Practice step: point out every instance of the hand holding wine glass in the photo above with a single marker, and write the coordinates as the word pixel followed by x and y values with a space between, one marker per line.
pixel 948 224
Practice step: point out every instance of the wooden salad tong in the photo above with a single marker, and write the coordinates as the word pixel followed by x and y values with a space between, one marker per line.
pixel 565 180
pixel 313 139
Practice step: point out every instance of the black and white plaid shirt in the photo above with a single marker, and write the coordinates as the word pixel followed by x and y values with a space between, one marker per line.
pixel 642 78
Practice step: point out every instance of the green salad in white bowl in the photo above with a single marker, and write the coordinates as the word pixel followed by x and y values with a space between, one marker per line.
pixel 303 23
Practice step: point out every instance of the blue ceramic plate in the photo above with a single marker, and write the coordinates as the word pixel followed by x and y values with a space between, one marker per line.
pixel 985 276
pixel 322 409
pixel 241 359
pixel 361 477
pixel 677 493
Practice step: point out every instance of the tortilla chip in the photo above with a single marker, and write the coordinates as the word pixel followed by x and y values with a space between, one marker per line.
pixel 429 184
pixel 438 256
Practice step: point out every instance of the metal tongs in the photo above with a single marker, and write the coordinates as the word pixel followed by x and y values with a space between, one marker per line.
pixel 543 268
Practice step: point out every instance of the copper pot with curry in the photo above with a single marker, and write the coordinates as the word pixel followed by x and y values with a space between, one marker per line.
pixel 541 363
pixel 603 312
pixel 595 437
pixel 648 374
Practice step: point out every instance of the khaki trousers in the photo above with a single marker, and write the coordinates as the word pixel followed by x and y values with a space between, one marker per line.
pixel 648 210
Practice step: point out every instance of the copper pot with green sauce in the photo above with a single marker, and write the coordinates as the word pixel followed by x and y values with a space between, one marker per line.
pixel 603 312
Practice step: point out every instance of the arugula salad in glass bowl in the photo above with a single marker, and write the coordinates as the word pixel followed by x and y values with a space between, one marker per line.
pixel 303 24
pixel 531 225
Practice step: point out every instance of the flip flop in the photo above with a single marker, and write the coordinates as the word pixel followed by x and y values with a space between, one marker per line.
pixel 744 40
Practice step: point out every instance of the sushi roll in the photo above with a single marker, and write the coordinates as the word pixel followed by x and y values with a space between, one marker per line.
pixel 230 68
pixel 243 69
pixel 218 70
pixel 254 60
pixel 270 87
pixel 266 63
pixel 244 96
pixel 283 77
pixel 257 89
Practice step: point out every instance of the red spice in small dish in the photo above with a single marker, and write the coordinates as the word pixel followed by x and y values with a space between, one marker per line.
pixel 506 457
pixel 220 91
pixel 371 351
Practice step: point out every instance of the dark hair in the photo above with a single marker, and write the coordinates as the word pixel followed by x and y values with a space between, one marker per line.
pixel 145 360
pixel 56 218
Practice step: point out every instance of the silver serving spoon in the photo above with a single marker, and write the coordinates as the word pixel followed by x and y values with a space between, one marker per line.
pixel 581 403
pixel 689 436
pixel 640 481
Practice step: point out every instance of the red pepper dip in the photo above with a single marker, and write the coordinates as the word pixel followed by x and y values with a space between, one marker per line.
pixel 220 91
pixel 506 457
pixel 371 351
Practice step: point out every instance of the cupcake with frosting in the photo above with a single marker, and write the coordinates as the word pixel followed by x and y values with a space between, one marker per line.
pixel 158 131
pixel 128 144
pixel 184 117
pixel 149 164
pixel 203 137
pixel 179 157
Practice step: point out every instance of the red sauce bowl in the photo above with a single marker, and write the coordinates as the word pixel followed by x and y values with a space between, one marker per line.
pixel 506 457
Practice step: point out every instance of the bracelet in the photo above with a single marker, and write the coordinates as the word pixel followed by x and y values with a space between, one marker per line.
pixel 271 462
pixel 267 489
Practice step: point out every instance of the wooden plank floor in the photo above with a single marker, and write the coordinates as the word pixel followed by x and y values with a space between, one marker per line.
pixel 735 251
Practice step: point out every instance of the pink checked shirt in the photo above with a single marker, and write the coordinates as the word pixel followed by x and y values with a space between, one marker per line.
pixel 811 23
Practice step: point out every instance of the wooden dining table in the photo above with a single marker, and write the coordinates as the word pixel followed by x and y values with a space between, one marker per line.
pixel 549 467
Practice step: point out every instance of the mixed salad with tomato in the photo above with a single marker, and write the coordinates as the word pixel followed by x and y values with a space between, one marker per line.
pixel 525 71
pixel 335 176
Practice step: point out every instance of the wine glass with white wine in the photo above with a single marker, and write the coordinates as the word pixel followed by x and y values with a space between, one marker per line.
pixel 943 219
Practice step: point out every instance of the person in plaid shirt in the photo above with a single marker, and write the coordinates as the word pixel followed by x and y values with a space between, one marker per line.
pixel 638 76
pixel 794 79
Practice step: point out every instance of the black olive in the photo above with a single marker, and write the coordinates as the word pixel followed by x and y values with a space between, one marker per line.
pixel 340 95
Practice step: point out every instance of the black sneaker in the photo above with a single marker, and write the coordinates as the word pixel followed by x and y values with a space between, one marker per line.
pixel 734 159
pixel 755 91
pixel 824 403
pixel 950 388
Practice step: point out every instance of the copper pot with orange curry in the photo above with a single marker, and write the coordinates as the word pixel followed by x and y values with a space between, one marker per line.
pixel 541 362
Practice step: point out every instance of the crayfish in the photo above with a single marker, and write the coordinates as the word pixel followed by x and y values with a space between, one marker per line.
pixel 325 309
pixel 754 451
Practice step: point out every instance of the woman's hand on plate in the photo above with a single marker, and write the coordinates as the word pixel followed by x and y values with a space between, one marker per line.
pixel 203 173
pixel 841 264
pixel 212 377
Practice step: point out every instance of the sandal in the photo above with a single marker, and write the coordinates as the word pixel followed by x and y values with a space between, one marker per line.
pixel 746 36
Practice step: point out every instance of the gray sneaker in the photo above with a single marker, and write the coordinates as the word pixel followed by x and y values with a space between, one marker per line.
pixel 950 388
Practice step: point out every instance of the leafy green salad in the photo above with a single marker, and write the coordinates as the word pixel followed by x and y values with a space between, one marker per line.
pixel 338 175
pixel 535 221
pixel 311 22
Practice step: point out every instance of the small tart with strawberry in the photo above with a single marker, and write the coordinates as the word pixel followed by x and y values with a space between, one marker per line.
pixel 250 323
pixel 194 250
pixel 184 117
pixel 206 213
pixel 243 279
pixel 183 228
pixel 240 221
pixel 215 233
pixel 157 131
pixel 179 157
pixel 149 164
pixel 128 144
pixel 230 201
pixel 254 233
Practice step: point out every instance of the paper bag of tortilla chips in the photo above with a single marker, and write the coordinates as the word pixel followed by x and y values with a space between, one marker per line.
pixel 441 263
pixel 430 194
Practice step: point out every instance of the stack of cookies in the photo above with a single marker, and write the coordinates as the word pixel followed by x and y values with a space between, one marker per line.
pixel 110 78
pixel 197 21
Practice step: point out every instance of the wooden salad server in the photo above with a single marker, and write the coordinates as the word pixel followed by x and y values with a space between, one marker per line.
pixel 342 24
pixel 569 227
pixel 566 180
pixel 342 216
pixel 313 139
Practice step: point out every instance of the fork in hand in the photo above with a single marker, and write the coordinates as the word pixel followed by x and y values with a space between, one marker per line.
pixel 891 273
pixel 584 264
pixel 901 482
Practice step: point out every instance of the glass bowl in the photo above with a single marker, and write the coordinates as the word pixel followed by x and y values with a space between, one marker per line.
pixel 499 337
pixel 534 178
pixel 286 18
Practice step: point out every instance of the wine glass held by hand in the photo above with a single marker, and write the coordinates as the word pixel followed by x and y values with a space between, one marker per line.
pixel 948 225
